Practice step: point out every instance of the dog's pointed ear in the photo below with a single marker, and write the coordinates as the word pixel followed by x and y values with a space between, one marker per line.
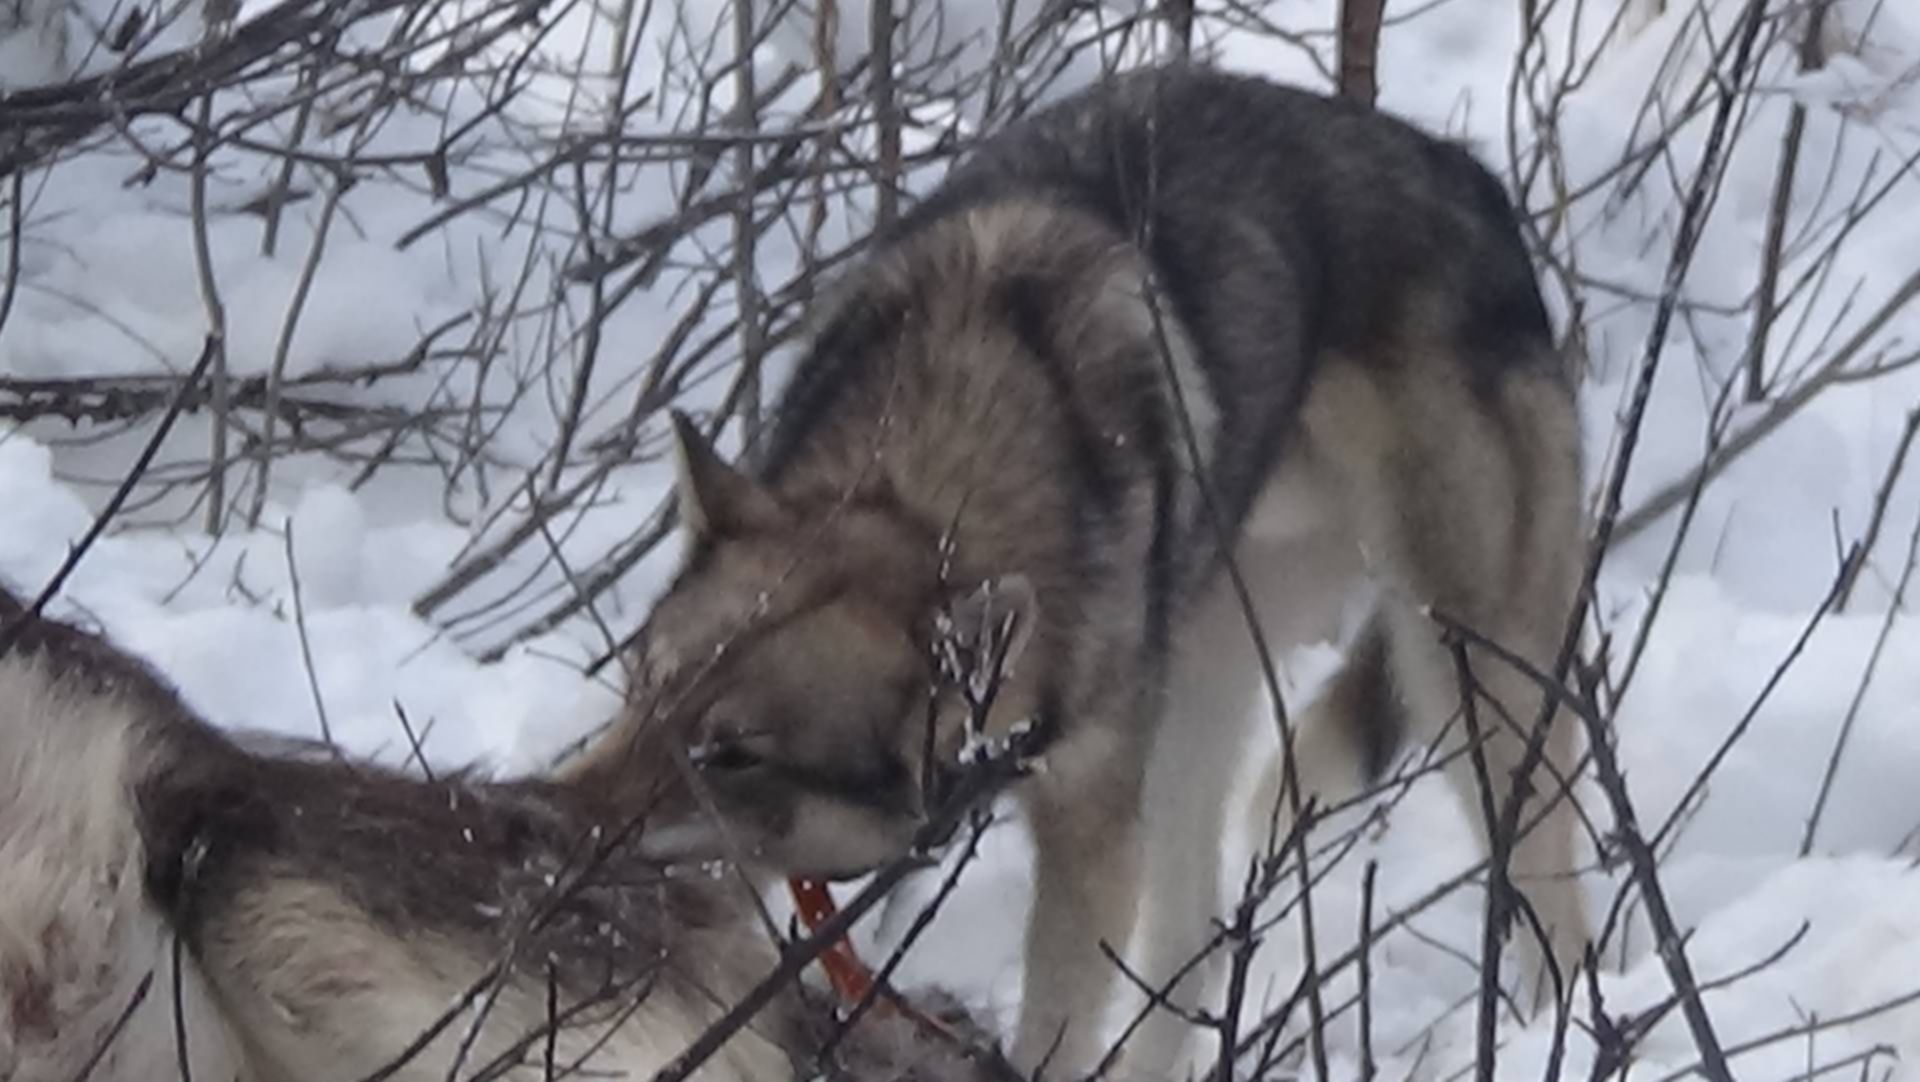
pixel 992 625
pixel 715 499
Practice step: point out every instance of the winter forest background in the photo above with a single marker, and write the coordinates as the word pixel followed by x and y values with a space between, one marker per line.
pixel 398 295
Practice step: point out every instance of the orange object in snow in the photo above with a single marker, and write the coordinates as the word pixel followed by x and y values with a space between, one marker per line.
pixel 852 981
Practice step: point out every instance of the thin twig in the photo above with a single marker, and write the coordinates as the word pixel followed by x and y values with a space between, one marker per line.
pixel 283 347
pixel 281 187
pixel 1368 1069
pixel 306 647
pixel 1497 914
pixel 183 1059
pixel 16 225
pixel 1766 297
pixel 216 313
pixel 1882 500
pixel 886 112
pixel 1893 612
pixel 11 633
pixel 119 1026
pixel 746 284
pixel 414 740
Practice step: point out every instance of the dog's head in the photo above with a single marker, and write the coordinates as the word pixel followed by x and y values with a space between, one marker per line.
pixel 800 675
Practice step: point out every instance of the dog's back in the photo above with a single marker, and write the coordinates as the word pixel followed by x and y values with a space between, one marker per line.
pixel 1283 227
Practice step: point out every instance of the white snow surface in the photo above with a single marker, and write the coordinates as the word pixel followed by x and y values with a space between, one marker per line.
pixel 109 286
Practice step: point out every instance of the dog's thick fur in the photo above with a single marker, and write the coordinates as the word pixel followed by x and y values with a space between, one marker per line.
pixel 321 918
pixel 996 416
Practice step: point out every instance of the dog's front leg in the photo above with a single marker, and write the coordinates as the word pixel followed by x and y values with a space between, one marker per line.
pixel 1085 817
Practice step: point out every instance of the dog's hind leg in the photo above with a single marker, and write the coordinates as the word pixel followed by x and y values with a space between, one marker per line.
pixel 1465 493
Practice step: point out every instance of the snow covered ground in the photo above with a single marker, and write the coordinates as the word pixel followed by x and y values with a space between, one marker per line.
pixel 108 285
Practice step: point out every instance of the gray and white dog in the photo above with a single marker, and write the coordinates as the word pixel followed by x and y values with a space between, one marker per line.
pixel 1181 315
pixel 173 905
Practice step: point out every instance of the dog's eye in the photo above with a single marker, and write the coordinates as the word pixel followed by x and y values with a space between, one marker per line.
pixel 726 756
